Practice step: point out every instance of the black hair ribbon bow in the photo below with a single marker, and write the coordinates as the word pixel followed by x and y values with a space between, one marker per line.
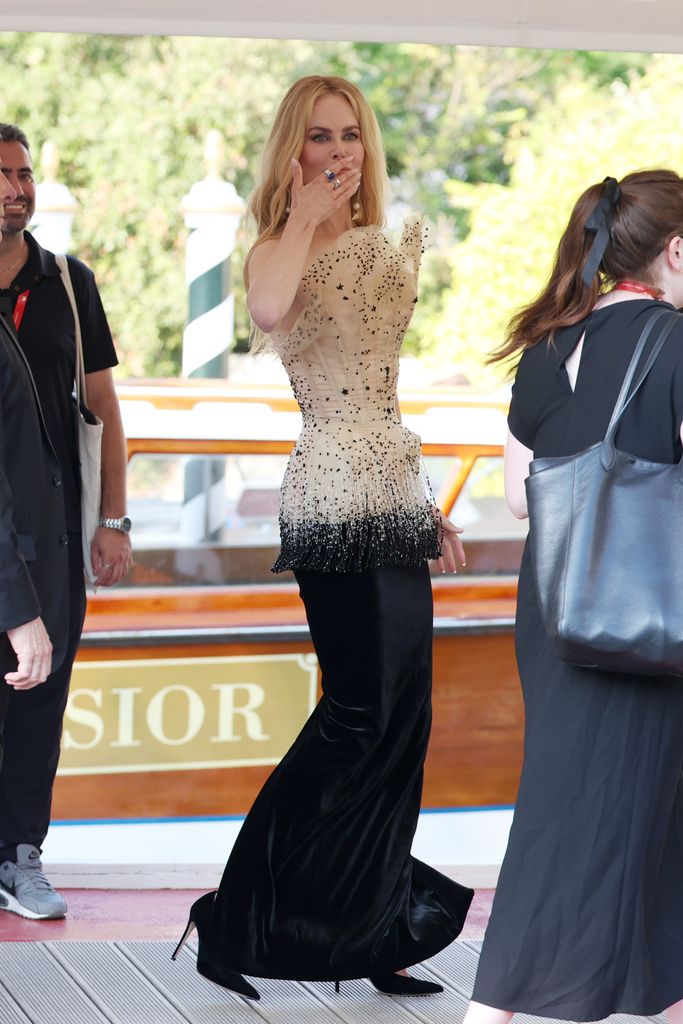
pixel 600 223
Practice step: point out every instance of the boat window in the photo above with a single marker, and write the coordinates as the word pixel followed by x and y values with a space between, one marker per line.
pixel 494 538
pixel 204 520
pixel 212 520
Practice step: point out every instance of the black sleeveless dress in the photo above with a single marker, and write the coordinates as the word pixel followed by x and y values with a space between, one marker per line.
pixel 588 916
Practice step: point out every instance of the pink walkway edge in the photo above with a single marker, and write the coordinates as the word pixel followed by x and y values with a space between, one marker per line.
pixel 149 914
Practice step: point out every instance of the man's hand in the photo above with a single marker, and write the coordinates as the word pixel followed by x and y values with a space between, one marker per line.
pixel 34 655
pixel 111 556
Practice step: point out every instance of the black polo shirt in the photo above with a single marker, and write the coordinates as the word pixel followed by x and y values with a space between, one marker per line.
pixel 48 338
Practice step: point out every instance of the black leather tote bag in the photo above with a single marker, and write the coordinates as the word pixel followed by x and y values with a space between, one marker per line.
pixel 606 535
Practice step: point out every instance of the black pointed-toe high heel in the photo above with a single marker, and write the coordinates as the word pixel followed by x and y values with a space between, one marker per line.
pixel 403 985
pixel 199 918
pixel 400 985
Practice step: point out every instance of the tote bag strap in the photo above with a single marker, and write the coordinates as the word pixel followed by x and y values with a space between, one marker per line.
pixel 656 349
pixel 624 398
pixel 608 451
pixel 81 395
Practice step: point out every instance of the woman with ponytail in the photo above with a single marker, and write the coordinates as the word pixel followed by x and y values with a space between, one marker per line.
pixel 588 915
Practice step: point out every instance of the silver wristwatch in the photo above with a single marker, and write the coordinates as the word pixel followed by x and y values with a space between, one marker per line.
pixel 123 524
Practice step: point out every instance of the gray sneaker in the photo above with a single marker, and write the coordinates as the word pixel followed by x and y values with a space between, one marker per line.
pixel 25 890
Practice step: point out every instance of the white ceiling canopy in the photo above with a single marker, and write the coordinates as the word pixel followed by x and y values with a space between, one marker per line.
pixel 640 25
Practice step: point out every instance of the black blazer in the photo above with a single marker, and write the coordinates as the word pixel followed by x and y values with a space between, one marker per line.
pixel 33 537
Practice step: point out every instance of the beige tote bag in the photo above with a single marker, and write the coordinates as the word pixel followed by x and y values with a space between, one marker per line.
pixel 89 429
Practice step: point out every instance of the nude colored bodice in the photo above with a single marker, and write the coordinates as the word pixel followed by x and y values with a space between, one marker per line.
pixel 355 494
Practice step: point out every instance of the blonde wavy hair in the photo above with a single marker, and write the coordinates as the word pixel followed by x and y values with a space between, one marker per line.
pixel 269 202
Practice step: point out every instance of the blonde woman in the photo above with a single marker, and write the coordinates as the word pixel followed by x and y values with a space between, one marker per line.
pixel 321 884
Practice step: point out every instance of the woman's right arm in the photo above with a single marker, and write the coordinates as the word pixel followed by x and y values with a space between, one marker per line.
pixel 276 267
pixel 274 272
pixel 517 459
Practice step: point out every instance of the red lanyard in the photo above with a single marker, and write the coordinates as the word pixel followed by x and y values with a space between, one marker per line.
pixel 638 286
pixel 19 309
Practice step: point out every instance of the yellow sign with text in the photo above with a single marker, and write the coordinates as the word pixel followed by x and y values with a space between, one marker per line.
pixel 179 713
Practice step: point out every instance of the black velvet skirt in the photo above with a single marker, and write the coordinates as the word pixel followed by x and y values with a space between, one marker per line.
pixel 320 884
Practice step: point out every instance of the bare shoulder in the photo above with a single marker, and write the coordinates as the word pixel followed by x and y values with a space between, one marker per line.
pixel 258 257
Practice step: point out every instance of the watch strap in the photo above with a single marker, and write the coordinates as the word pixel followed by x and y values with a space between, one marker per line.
pixel 113 524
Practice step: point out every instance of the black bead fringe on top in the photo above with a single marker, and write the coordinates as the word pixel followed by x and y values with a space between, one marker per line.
pixel 406 537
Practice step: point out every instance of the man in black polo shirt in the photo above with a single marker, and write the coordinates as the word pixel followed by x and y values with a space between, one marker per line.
pixel 31 515
pixel 31 290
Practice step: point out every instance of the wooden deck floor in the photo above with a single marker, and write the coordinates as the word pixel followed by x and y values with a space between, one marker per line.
pixel 86 982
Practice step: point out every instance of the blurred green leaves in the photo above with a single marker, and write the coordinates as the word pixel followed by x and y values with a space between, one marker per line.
pixel 492 144
pixel 576 138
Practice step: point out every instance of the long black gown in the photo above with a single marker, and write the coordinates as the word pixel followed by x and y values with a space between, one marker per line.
pixel 320 884
pixel 588 915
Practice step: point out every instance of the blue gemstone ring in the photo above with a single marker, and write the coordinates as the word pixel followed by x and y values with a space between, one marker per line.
pixel 330 175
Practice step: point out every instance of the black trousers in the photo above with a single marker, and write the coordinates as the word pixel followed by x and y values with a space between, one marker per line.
pixel 33 731
pixel 6 653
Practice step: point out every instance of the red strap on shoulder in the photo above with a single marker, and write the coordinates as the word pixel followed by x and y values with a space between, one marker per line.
pixel 19 309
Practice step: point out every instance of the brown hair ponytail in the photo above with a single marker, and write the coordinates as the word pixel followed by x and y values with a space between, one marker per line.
pixel 636 220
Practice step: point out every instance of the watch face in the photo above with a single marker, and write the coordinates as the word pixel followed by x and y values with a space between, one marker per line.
pixel 126 524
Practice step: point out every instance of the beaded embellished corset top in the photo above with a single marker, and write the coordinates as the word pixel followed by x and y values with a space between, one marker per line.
pixel 355 494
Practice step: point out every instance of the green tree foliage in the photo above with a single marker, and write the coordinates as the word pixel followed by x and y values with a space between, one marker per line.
pixel 462 126
pixel 575 139
pixel 129 116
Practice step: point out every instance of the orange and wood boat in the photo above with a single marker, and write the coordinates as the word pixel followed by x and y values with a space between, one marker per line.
pixel 195 675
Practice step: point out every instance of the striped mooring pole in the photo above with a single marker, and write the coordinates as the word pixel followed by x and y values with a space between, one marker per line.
pixel 212 210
